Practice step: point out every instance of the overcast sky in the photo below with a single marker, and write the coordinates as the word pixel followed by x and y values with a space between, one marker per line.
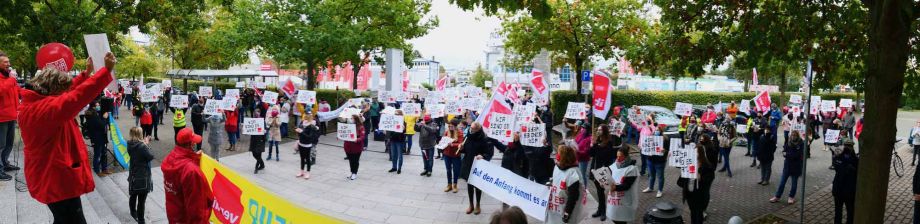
pixel 459 42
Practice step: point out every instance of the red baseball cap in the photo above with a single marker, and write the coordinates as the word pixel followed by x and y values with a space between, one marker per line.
pixel 186 136
pixel 427 118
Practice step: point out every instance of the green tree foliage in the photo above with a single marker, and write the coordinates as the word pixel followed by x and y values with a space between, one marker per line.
pixel 480 76
pixel 537 8
pixel 197 34
pixel 578 32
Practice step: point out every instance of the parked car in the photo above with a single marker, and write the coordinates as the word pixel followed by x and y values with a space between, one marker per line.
pixel 662 116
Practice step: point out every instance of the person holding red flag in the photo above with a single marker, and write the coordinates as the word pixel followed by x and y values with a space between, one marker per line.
pixel 56 162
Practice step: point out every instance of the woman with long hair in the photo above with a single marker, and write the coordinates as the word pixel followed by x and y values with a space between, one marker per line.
pixel 139 177
pixel 273 121
pixel 353 149
pixel 602 156
pixel 726 139
pixel 475 146
pixel 452 155
pixel 307 136
pixel 792 166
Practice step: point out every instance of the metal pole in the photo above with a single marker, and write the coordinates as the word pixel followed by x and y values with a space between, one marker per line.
pixel 807 111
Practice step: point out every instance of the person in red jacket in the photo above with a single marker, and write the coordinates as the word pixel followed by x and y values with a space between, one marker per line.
pixel 188 196
pixel 232 127
pixel 147 121
pixel 353 149
pixel 56 165
pixel 9 102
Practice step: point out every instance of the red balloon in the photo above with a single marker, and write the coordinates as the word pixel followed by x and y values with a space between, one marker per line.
pixel 54 55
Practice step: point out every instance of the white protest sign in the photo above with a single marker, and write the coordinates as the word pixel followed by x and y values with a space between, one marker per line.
pixel 815 105
pixel 799 127
pixel 445 141
pixel 347 132
pixel 436 110
pixel 846 103
pixel 253 126
pixel 453 108
pixel 683 109
pixel 211 107
pixel 797 99
pixel 386 97
pixel 306 97
pixel 356 102
pixel 679 156
pixel 233 93
pixel 97 46
pixel 413 109
pixel 575 111
pixel 533 134
pixel 828 106
pixel 388 110
pixel 470 104
pixel 524 113
pixel 745 106
pixel 616 127
pixel 741 128
pixel 500 127
pixel 401 96
pixel 831 136
pixel 510 188
pixel 348 112
pixel 179 101
pixel 691 171
pixel 228 103
pixel 205 91
pixel 260 85
pixel 270 97
pixel 150 95
pixel 390 122
pixel 651 145
pixel 240 85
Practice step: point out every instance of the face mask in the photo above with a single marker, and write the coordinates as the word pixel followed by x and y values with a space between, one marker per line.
pixel 98 108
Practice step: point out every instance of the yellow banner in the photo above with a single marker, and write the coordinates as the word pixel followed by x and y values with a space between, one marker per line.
pixel 238 200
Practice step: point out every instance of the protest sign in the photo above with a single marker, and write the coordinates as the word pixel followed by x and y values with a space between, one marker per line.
pixel 473 104
pixel 815 104
pixel 413 109
pixel 211 107
pixel 828 106
pixel 260 85
pixel 401 96
pixel 445 141
pixel 388 110
pixel 799 127
pixel 347 132
pixel 178 101
pixel 306 97
pixel 847 103
pixel 762 101
pixel 234 93
pixel 510 188
pixel 524 113
pixel 150 95
pixel 390 122
pixel 270 97
pixel 386 97
pixel 635 119
pixel 533 134
pixel 436 110
pixel 679 154
pixel 97 46
pixel 358 102
pixel 205 91
pixel 575 111
pixel 796 99
pixel 228 103
pixel 831 136
pixel 253 126
pixel 692 168
pixel 741 128
pixel 240 85
pixel 745 106
pixel 683 109
pixel 500 127
pixel 617 127
pixel 453 108
pixel 651 145
pixel 348 112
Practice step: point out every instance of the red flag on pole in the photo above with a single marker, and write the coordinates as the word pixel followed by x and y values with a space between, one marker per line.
pixel 496 105
pixel 441 84
pixel 762 101
pixel 289 88
pixel 754 77
pixel 601 101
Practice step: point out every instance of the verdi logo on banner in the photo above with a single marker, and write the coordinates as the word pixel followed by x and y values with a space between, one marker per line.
pixel 533 135
pixel 390 122
pixel 575 111
pixel 347 132
pixel 500 127
pixel 253 126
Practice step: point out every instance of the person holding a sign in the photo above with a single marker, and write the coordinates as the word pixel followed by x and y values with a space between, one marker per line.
pixel 726 137
pixel 232 126
pixel 452 155
pixel 307 137
pixel 353 149
pixel 844 184
pixel 602 154
pixel 274 132
pixel 140 182
pixel 95 127
pixel 567 189
pixel 397 144
pixel 215 134
pixel 427 138
pixel 146 122
pixel 621 190
pixel 257 146
pixel 477 146
pixel 198 119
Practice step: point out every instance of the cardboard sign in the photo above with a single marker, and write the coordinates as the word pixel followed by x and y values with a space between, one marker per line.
pixel 524 113
pixel 500 127
pixel 436 110
pixel 240 85
pixel 831 136
pixel 679 154
pixel 652 145
pixel 178 101
pixel 471 104
pixel 253 126
pixel 347 132
pixel 390 122
pixel 205 91
pixel 683 109
pixel 211 107
pixel 533 134
pixel 828 106
pixel 260 85
pixel 575 111
pixel 413 109
pixel 741 128
pixel 617 127
pixel 270 97
pixel 445 141
pixel 228 103
pixel 233 93
pixel 306 97
pixel 745 106
pixel 150 95
pixel 847 103
pixel 815 104
pixel 453 108
pixel 796 99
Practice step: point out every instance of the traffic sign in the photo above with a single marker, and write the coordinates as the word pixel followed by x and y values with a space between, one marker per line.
pixel 586 75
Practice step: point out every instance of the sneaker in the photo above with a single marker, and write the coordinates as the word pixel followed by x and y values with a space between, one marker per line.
pixel 423 173
pixel 391 170
pixel 354 176
pixel 647 190
pixel 658 195
pixel 306 176
pixel 791 201
pixel 429 174
pixel 399 172
pixel 774 199
pixel 300 175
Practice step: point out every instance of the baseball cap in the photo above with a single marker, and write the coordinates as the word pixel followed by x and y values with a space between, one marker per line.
pixel 427 118
pixel 186 136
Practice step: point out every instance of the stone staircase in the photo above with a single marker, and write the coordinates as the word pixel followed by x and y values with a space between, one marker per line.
pixel 107 204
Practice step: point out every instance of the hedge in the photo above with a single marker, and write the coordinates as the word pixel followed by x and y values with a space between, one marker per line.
pixel 667 99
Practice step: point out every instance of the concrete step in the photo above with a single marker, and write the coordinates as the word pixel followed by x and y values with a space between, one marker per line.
pixel 114 198
pixel 155 211
pixel 28 210
pixel 88 211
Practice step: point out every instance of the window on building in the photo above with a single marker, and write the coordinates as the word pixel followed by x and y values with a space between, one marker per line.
pixel 565 74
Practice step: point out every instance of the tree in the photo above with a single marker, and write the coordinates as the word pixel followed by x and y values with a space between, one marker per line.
pixel 199 34
pixel 577 31
pixel 537 8
pixel 480 76
pixel 138 62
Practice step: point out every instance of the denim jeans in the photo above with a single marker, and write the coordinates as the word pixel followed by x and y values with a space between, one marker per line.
pixel 645 164
pixel 583 168
pixel 782 184
pixel 277 150
pixel 231 136
pixel 766 167
pixel 656 171
pixel 396 149
pixel 284 130
pixel 453 169
pixel 7 135
pixel 725 153
pixel 428 158
pixel 99 163
pixel 409 142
